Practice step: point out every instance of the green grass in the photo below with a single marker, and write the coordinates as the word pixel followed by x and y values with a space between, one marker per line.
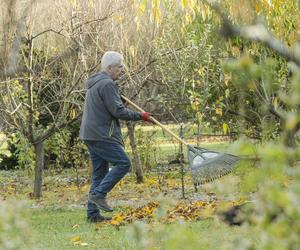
pixel 168 150
pixel 53 226
pixel 189 130
pixel 54 229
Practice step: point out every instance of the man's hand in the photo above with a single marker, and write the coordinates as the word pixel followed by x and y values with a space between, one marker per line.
pixel 146 116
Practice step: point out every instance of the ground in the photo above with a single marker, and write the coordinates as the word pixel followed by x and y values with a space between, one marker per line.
pixel 153 209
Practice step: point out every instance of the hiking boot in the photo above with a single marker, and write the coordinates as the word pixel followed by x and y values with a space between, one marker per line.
pixel 98 218
pixel 100 202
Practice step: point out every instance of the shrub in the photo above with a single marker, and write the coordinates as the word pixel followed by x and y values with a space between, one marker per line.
pixel 14 229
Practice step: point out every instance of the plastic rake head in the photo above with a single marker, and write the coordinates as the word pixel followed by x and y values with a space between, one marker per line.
pixel 207 165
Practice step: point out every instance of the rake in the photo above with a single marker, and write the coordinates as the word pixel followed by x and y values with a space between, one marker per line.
pixel 205 165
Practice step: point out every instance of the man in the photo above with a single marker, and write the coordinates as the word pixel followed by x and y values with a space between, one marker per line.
pixel 100 129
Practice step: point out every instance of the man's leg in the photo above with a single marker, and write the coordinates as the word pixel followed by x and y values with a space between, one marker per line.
pixel 115 154
pixel 100 169
pixel 121 165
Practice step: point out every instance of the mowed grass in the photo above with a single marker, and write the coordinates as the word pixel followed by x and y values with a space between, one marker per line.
pixel 164 151
pixel 161 146
pixel 54 225
pixel 55 229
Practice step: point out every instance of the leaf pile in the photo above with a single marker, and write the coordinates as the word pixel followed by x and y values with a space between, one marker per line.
pixel 190 211
pixel 145 212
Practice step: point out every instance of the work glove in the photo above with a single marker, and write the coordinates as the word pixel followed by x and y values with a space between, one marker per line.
pixel 146 116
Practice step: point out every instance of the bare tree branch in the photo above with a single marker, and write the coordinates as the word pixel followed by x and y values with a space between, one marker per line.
pixel 46 31
pixel 56 128
pixel 94 21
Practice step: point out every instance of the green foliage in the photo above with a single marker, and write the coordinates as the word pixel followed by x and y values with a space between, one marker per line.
pixel 274 213
pixel 24 151
pixel 4 147
pixel 243 97
pixel 256 98
pixel 79 154
pixel 15 232
pixel 257 94
pixel 274 182
pixel 148 150
pixel 192 73
pixel 64 149
pixel 206 234
pixel 231 85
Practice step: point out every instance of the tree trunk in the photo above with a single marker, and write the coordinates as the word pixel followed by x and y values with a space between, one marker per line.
pixel 39 156
pixel 198 134
pixel 181 161
pixel 136 157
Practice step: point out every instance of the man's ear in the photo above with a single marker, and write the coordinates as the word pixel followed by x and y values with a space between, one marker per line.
pixel 109 67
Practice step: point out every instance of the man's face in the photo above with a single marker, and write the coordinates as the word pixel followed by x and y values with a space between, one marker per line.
pixel 116 70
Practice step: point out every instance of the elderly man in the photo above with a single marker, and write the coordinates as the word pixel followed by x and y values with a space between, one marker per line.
pixel 100 130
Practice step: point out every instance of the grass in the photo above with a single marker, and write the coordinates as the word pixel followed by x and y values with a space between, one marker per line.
pixel 60 217
pixel 55 229
pixel 189 129
pixel 167 151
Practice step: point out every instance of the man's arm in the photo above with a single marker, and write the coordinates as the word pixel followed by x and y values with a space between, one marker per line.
pixel 115 106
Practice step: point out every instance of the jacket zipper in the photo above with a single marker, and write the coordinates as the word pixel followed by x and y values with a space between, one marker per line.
pixel 112 127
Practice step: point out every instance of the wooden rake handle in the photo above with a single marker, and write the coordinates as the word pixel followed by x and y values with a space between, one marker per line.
pixel 155 121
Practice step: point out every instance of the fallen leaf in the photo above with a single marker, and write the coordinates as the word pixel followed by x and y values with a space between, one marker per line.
pixel 76 240
pixel 117 219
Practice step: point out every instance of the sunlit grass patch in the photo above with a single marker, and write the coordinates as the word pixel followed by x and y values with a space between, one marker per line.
pixel 66 229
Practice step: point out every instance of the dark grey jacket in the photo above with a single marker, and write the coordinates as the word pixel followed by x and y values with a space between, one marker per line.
pixel 103 108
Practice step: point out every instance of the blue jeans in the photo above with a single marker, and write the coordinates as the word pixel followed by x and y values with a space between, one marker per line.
pixel 103 180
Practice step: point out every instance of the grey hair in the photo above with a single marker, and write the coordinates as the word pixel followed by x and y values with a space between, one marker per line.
pixel 111 58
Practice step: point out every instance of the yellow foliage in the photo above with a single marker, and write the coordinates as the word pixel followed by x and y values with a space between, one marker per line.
pixel 119 18
pixel 225 128
pixel 117 219
pixel 291 121
pixel 187 211
pixel 76 239
pixel 142 6
pixel 227 92
pixel 219 111
pixel 275 102
pixel 72 113
pixel 184 3
pixel 73 2
pixel 75 226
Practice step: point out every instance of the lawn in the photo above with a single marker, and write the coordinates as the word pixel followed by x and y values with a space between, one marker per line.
pixel 66 229
pixel 63 228
pixel 57 220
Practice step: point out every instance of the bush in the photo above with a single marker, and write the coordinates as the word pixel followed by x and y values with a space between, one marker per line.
pixel 62 150
pixel 14 229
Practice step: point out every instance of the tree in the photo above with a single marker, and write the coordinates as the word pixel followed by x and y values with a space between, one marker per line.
pixel 43 93
pixel 200 71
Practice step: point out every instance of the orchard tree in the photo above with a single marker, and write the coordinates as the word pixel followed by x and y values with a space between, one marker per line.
pixel 41 87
